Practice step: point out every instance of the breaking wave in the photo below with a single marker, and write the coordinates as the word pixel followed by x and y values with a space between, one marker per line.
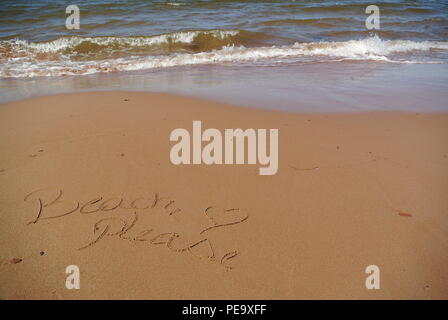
pixel 78 55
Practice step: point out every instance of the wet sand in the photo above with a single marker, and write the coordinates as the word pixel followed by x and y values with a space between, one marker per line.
pixel 86 180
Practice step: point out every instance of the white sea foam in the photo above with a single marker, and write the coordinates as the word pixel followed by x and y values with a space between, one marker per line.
pixel 367 49
pixel 372 47
pixel 176 4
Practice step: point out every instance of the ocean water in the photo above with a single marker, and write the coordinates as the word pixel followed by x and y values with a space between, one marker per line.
pixel 281 54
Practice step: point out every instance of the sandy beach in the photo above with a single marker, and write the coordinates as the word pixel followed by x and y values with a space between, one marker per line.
pixel 86 180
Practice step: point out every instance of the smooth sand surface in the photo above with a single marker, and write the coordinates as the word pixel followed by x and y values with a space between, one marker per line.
pixel 86 180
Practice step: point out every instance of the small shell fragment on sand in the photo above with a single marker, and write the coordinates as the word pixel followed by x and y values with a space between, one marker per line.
pixel 404 214
pixel 15 260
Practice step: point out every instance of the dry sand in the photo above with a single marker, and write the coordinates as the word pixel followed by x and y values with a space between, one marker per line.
pixel 352 190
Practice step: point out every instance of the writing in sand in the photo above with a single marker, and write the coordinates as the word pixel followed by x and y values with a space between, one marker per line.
pixel 154 220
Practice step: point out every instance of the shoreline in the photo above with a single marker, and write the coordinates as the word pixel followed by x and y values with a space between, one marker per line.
pixel 352 190
pixel 322 88
pixel 215 103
